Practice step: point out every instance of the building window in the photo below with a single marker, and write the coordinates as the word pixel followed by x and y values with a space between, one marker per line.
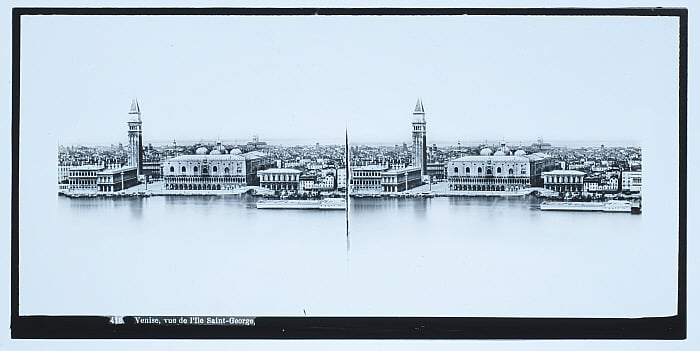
pixel 479 170
pixel 172 169
pixel 498 170
pixel 510 171
pixel 194 169
pixel 214 169
pixel 467 170
pixel 184 169
pixel 456 169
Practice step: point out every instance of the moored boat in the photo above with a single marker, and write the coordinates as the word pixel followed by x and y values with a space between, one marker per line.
pixel 608 206
pixel 325 204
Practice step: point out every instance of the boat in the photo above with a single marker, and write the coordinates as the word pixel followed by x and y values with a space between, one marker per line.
pixel 571 206
pixel 332 204
pixel 325 204
pixel 618 206
pixel 608 206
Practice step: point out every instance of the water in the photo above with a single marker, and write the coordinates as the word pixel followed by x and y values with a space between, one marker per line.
pixel 407 257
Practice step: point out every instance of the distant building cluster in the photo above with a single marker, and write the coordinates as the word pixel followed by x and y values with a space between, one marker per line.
pixel 373 170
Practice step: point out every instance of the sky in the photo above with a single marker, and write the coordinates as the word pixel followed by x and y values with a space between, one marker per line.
pixel 308 78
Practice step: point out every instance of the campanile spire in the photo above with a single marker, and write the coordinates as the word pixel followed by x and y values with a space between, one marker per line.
pixel 419 138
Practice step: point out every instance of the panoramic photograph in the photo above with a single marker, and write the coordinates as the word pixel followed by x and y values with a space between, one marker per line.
pixel 442 166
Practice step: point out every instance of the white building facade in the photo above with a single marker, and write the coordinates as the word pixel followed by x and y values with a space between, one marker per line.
pixel 564 181
pixel 280 179
pixel 632 181
pixel 204 172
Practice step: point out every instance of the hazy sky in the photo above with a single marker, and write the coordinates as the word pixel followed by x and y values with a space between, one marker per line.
pixel 307 78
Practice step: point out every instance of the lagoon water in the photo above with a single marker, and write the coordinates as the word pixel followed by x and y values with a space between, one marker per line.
pixel 220 255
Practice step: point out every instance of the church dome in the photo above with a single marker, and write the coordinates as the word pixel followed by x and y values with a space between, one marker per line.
pixel 235 151
pixel 202 151
pixel 486 152
pixel 215 152
pixel 520 152
pixel 499 153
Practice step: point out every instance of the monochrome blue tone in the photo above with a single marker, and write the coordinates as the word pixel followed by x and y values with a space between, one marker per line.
pixel 404 257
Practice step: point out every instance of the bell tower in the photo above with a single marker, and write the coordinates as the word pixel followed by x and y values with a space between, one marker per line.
pixel 419 138
pixel 135 137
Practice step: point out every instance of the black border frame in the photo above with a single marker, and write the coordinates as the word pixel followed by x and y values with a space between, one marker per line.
pixel 98 327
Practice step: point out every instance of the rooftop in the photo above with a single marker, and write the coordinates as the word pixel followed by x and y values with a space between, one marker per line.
pixel 118 170
pixel 222 157
pixel 494 158
pixel 280 170
pixel 564 172
pixel 253 155
pixel 86 168
pixel 369 168
pixel 402 170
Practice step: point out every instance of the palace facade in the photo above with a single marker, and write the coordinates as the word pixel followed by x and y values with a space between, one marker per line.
pixel 215 170
pixel 499 171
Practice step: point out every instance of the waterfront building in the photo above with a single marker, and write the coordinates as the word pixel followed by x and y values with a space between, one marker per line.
pixel 395 180
pixel 204 172
pixel 420 158
pixel 377 179
pixel 499 171
pixel 153 168
pixel 341 178
pixel 367 179
pixel 280 179
pixel 601 184
pixel 63 173
pixel 564 181
pixel 116 179
pixel 592 184
pixel 83 178
pixel 213 171
pixel 631 181
pixel 135 137
pixel 437 170
pixel 323 181
pixel 306 181
pixel 98 178
pixel 256 161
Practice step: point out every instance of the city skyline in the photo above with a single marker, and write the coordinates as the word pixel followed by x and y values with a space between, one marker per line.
pixel 574 81
pixel 289 78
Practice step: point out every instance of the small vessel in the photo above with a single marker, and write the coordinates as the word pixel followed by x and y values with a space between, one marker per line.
pixel 608 206
pixel 332 204
pixel 618 206
pixel 325 204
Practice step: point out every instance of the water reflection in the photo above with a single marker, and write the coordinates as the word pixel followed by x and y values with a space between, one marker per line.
pixel 454 255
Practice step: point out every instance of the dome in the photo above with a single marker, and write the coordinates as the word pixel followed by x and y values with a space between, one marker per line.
pixel 520 152
pixel 215 152
pixel 202 151
pixel 486 152
pixel 499 153
pixel 235 151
